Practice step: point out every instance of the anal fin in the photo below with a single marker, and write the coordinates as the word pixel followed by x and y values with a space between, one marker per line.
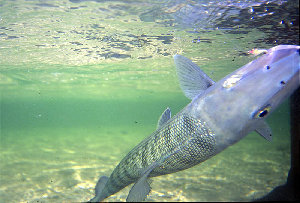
pixel 141 188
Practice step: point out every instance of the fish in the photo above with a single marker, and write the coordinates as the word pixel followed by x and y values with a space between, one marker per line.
pixel 257 52
pixel 219 115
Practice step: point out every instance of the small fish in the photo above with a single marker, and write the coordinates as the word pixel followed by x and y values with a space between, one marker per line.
pixel 219 115
pixel 257 52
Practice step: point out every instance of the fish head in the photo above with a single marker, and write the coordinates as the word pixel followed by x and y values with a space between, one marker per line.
pixel 238 102
pixel 266 82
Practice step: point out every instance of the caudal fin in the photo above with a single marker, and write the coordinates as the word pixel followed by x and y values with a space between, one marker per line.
pixel 98 189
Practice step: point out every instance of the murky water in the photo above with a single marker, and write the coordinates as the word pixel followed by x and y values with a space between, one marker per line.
pixel 83 82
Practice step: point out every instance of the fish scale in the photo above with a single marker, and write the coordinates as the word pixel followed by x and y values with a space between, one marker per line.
pixel 187 142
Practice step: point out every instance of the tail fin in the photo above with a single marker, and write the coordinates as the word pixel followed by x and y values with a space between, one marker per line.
pixel 98 189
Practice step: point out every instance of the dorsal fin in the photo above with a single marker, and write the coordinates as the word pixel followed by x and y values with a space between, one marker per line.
pixel 193 81
pixel 165 116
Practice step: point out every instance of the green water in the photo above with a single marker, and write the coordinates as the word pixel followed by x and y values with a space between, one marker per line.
pixel 83 82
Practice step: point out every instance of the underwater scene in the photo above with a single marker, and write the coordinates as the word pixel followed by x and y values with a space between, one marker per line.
pixel 82 82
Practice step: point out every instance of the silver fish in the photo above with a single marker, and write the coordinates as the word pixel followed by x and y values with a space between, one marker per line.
pixel 219 115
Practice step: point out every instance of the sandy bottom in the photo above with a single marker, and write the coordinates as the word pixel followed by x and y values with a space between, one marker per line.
pixel 63 165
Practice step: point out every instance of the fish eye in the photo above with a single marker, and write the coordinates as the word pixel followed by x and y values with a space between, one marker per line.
pixel 262 112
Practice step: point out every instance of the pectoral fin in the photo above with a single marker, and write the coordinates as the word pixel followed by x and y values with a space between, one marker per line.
pixel 264 130
pixel 193 81
pixel 141 188
pixel 165 116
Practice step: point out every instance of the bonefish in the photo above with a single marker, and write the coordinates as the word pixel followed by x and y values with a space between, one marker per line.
pixel 219 115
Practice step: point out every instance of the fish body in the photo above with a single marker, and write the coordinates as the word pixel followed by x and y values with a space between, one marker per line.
pixel 219 115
